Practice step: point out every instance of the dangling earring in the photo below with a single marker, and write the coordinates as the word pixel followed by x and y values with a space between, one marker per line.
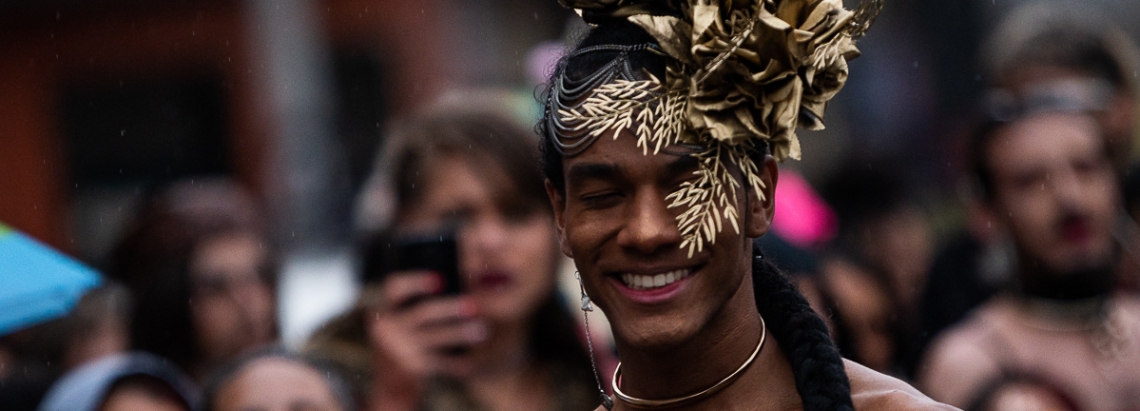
pixel 588 306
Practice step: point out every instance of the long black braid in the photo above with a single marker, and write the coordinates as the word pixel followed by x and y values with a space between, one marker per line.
pixel 816 364
pixel 820 377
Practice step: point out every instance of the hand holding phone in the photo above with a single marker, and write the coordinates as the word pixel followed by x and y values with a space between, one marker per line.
pixel 436 252
pixel 418 340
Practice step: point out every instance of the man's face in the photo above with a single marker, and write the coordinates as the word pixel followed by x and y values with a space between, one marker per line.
pixel 1055 189
pixel 615 223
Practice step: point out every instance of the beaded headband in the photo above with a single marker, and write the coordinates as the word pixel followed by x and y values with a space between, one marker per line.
pixel 574 134
pixel 740 74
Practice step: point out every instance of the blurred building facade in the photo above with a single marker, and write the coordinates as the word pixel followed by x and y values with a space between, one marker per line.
pixel 102 100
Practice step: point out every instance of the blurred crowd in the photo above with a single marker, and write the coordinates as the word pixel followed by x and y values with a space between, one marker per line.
pixel 1033 303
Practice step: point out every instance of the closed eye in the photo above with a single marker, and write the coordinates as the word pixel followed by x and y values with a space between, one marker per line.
pixel 602 199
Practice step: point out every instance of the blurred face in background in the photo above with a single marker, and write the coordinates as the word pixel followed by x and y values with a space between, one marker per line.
pixel 507 249
pixel 1025 396
pixel 276 384
pixel 139 393
pixel 232 304
pixel 1054 188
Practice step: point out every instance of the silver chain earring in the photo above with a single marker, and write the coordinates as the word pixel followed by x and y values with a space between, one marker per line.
pixel 588 306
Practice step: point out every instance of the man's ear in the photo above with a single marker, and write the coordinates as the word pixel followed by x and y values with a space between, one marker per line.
pixel 558 203
pixel 761 210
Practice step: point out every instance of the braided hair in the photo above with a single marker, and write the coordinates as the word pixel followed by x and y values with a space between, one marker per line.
pixel 818 369
pixel 816 364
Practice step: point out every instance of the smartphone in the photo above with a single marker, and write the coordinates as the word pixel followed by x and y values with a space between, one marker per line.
pixel 434 251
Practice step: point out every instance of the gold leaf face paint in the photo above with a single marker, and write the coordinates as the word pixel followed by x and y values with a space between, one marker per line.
pixel 741 76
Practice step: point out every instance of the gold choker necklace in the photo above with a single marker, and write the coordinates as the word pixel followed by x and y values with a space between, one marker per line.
pixel 672 402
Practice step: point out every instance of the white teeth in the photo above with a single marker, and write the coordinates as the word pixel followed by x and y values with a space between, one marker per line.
pixel 642 282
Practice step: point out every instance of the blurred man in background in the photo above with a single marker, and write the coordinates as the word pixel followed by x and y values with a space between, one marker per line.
pixel 1047 56
pixel 1047 179
pixel 1068 57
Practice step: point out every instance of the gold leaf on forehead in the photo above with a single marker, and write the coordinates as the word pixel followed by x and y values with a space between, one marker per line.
pixel 614 107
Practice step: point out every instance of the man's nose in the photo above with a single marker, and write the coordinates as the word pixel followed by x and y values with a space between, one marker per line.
pixel 650 225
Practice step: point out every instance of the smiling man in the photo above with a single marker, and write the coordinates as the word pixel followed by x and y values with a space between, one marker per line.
pixel 1047 180
pixel 660 139
pixel 617 226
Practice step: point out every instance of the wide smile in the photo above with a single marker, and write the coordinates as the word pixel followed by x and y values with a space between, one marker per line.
pixel 653 286
pixel 649 282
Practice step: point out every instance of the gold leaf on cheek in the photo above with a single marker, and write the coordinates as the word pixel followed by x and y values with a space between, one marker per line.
pixel 711 199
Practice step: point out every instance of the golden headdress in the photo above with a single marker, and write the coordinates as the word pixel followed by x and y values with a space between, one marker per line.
pixel 739 72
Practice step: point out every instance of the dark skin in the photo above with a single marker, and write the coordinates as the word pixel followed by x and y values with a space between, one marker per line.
pixel 613 219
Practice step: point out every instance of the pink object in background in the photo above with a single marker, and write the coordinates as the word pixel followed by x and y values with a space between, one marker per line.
pixel 543 59
pixel 802 217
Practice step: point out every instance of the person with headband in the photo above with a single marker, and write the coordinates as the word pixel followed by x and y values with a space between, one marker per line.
pixel 1045 179
pixel 660 137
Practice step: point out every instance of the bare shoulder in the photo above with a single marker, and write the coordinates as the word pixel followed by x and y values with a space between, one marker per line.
pixel 961 359
pixel 873 391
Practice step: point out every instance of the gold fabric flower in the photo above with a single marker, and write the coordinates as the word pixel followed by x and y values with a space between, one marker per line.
pixel 739 70
pixel 756 69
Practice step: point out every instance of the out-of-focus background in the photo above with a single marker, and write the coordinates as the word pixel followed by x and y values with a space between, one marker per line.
pixel 107 99
pixel 103 101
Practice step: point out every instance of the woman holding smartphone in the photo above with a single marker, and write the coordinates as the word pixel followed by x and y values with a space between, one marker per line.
pixel 504 342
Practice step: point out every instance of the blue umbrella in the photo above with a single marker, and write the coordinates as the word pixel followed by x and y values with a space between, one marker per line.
pixel 37 283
